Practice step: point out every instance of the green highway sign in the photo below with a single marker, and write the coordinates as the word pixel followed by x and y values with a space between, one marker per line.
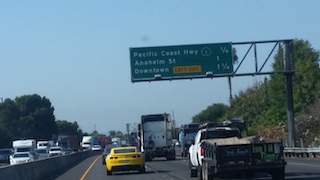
pixel 180 62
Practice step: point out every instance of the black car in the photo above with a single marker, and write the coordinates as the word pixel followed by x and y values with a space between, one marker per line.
pixel 5 155
pixel 107 150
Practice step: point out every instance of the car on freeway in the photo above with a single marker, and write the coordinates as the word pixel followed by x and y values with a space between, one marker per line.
pixel 125 159
pixel 56 151
pixel 96 147
pixel 5 155
pixel 107 150
pixel 21 157
pixel 42 153
pixel 67 150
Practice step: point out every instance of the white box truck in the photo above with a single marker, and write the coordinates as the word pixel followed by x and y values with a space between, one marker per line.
pixel 156 134
pixel 27 145
pixel 86 143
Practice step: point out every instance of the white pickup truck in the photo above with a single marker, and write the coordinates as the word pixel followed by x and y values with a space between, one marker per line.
pixel 196 152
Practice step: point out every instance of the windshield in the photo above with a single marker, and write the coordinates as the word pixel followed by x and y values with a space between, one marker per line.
pixel 41 151
pixel 23 149
pixel 190 136
pixel 55 149
pixel 220 134
pixel 108 148
pixel 21 155
pixel 118 151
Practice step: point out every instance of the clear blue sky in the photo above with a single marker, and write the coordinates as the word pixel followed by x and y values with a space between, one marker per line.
pixel 76 53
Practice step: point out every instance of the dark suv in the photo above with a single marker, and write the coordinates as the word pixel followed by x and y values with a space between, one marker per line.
pixel 5 155
pixel 107 150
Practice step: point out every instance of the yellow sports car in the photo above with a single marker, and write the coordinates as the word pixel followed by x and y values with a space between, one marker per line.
pixel 125 159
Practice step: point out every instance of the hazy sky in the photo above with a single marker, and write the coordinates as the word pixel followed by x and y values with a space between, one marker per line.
pixel 76 53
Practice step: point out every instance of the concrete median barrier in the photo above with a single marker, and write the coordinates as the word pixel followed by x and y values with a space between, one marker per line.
pixel 42 168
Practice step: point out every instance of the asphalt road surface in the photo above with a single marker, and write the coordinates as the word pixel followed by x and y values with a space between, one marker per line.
pixel 160 168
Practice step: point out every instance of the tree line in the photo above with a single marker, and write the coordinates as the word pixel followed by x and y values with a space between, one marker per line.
pixel 263 105
pixel 32 116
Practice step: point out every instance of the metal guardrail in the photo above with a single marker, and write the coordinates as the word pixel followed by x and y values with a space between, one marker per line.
pixel 302 152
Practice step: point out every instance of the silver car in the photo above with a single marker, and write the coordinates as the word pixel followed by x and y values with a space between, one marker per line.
pixel 56 151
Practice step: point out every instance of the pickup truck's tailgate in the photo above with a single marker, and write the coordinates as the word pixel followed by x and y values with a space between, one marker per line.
pixel 249 154
pixel 234 154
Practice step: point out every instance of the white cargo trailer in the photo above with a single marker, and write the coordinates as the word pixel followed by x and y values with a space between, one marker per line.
pixel 156 136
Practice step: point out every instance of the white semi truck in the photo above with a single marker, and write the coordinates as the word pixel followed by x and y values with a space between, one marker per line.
pixel 156 136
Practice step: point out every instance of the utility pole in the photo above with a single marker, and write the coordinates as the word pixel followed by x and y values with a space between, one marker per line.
pixel 128 129
pixel 230 91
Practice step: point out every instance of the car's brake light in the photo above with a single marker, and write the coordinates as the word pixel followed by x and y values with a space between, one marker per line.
pixel 201 151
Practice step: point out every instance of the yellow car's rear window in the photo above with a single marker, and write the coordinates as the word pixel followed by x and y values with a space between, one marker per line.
pixel 118 151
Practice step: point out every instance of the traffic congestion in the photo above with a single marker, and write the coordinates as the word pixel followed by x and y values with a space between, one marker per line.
pixel 172 90
pixel 28 150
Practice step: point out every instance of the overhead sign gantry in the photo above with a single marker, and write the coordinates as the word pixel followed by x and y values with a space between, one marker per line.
pixel 180 62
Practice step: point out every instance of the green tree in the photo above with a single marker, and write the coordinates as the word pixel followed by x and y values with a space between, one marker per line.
pixel 96 133
pixel 36 116
pixel 9 114
pixel 212 113
pixel 251 103
pixel 112 133
pixel 28 116
pixel 307 126
pixel 306 82
pixel 67 128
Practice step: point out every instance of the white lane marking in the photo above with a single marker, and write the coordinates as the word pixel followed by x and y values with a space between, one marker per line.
pixel 303 164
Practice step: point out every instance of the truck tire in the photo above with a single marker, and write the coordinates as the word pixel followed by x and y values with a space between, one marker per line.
pixel 200 173
pixel 193 172
pixel 148 157
pixel 205 172
pixel 185 154
pixel 278 174
pixel 171 157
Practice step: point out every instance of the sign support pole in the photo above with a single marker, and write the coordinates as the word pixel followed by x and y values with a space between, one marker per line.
pixel 290 110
